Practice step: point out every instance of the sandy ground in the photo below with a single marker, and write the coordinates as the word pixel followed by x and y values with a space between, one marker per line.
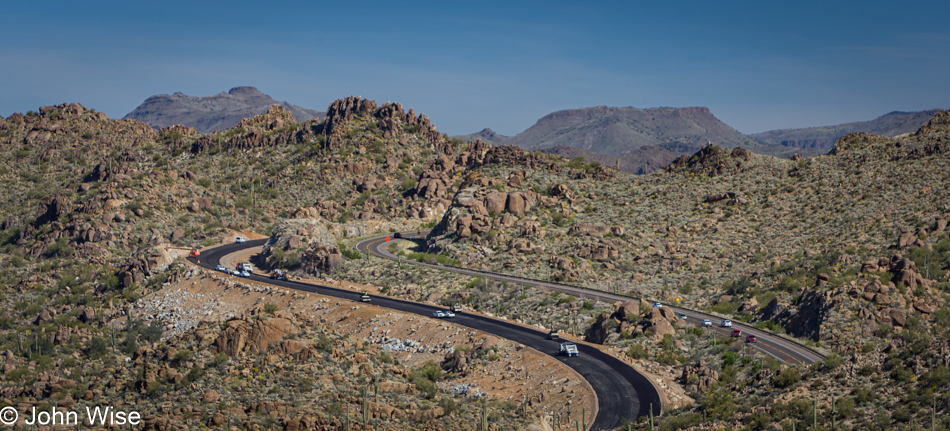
pixel 512 372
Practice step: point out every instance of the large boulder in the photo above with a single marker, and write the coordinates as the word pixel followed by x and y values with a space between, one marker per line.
pixel 253 337
pixel 906 238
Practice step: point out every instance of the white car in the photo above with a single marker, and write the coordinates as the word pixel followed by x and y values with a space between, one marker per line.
pixel 726 324
pixel 448 314
pixel 569 349
pixel 240 240
pixel 657 305
pixel 707 323
pixel 438 314
pixel 220 268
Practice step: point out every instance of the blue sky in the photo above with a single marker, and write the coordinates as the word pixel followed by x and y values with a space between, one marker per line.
pixel 756 65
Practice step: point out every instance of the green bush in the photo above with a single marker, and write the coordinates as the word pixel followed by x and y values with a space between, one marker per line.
pixel 787 377
pixel 181 357
pixel 97 347
pixel 636 351
pixel 832 361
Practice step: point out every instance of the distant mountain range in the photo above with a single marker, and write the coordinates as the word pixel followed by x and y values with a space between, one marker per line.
pixel 644 140
pixel 821 139
pixel 212 113
pixel 636 140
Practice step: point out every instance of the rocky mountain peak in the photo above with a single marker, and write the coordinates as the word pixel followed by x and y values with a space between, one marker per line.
pixel 246 91
pixel 212 113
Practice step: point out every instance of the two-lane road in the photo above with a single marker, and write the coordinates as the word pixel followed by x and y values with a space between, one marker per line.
pixel 782 349
pixel 622 392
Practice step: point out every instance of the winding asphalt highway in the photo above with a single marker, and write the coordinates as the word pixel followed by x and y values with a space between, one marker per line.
pixel 781 349
pixel 622 392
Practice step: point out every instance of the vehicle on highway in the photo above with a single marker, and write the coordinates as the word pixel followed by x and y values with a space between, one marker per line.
pixel 751 339
pixel 397 235
pixel 220 268
pixel 554 335
pixel 456 308
pixel 240 240
pixel 681 316
pixel 278 275
pixel 707 323
pixel 365 297
pixel 657 305
pixel 736 333
pixel 726 324
pixel 438 314
pixel 449 314
pixel 245 267
pixel 244 274
pixel 569 349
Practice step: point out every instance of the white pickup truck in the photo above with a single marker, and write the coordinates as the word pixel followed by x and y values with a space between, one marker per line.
pixel 569 349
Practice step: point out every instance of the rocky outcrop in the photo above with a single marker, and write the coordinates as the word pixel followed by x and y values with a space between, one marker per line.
pixel 711 160
pixel 599 251
pixel 253 336
pixel 476 210
pixel 728 198
pixel 314 240
pixel 805 319
pixel 320 258
pixel 595 230
pixel 663 321
pixel 391 119
pixel 905 271
pixel 698 378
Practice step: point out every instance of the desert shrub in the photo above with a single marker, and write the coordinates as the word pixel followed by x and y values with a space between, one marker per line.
pixel 787 377
pixel 424 378
pixel 636 351
pixel 181 357
pixel 97 347
pixel 323 343
pixel 832 361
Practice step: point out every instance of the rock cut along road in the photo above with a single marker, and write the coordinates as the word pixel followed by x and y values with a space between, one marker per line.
pixel 622 392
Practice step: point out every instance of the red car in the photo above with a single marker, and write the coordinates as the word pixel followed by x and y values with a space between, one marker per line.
pixel 750 339
pixel 736 333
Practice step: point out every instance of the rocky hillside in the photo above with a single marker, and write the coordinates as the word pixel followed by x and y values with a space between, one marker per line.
pixel 818 140
pixel 211 113
pixel 98 211
pixel 846 251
